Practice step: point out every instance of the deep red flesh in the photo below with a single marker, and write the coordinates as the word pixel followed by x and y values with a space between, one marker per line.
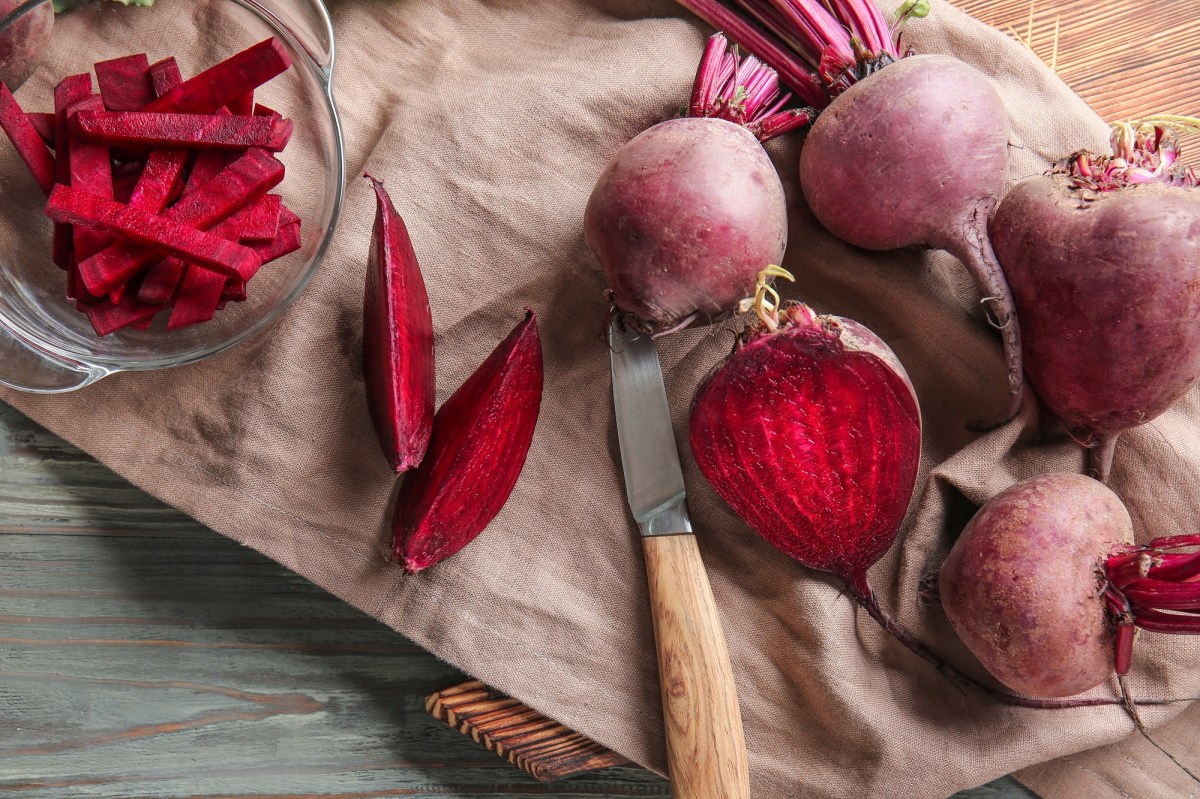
pixel 226 82
pixel 813 442
pixel 29 143
pixel 42 122
pixel 398 365
pixel 125 82
pixel 206 131
pixel 481 436
pixel 69 91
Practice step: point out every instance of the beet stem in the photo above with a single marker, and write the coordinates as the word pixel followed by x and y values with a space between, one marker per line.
pixel 870 603
pixel 978 257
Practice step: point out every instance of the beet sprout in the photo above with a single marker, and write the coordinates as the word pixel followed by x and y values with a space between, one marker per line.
pixel 744 91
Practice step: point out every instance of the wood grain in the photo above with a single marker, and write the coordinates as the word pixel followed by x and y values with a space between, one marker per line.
pixel 706 745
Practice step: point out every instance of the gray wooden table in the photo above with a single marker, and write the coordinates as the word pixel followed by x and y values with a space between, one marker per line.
pixel 143 655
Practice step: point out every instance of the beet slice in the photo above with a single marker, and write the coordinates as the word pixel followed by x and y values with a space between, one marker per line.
pixel 397 339
pixel 239 183
pixel 161 283
pixel 261 110
pixel 207 131
pixel 67 204
pixel 125 82
pixel 226 82
pixel 30 145
pixel 243 106
pixel 107 318
pixel 198 298
pixel 69 91
pixel 90 171
pixel 287 217
pixel 165 76
pixel 43 123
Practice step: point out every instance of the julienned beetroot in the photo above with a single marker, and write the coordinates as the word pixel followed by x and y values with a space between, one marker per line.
pixel 481 436
pixel 812 434
pixel 1103 259
pixel 398 363
pixel 181 167
pixel 1045 588
pixel 690 211
pixel 908 152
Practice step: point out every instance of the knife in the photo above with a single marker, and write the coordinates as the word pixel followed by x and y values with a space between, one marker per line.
pixel 706 747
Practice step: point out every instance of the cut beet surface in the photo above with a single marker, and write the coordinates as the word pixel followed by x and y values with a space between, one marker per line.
pixel 198 297
pixel 125 82
pixel 242 106
pixel 241 182
pixel 30 145
pixel 194 131
pixel 80 208
pixel 43 123
pixel 165 76
pixel 163 175
pixel 226 82
pixel 107 318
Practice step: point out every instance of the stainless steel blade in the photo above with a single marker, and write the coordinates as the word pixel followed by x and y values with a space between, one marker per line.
pixel 649 458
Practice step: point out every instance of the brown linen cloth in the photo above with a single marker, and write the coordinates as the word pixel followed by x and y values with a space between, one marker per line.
pixel 490 122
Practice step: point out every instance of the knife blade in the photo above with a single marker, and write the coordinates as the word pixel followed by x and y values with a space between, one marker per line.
pixel 706 748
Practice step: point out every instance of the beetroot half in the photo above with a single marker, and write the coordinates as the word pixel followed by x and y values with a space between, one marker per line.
pixel 690 211
pixel 398 363
pixel 1103 256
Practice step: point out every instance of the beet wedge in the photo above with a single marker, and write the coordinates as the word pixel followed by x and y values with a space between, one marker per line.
pixel 228 81
pixel 206 131
pixel 29 144
pixel 72 206
pixel 397 340
pixel 480 439
pixel 241 182
pixel 125 82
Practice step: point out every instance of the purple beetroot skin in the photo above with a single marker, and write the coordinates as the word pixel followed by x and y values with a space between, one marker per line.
pixel 916 155
pixel 1107 286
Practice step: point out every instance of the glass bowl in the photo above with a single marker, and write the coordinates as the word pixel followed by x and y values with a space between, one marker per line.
pixel 46 345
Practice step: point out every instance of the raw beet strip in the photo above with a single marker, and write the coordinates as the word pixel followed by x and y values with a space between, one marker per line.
pixel 207 131
pixel 198 298
pixel 125 82
pixel 91 171
pixel 261 110
pixel 226 82
pixel 165 76
pixel 244 105
pixel 43 123
pixel 286 242
pixel 287 217
pixel 251 222
pixel 69 91
pixel 76 207
pixel 107 318
pixel 162 281
pixel 242 181
pixel 27 141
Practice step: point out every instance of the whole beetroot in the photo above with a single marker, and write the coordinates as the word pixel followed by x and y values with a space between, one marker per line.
pixel 690 211
pixel 1045 588
pixel 1103 257
pixel 908 151
pixel 1021 585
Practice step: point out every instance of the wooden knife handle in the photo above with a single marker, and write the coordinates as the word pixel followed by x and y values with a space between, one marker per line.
pixel 706 747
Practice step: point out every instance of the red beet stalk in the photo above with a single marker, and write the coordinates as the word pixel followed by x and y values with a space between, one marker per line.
pixel 1153 587
pixel 398 364
pixel 481 436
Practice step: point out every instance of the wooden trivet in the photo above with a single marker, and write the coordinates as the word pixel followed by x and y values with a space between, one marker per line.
pixel 540 746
